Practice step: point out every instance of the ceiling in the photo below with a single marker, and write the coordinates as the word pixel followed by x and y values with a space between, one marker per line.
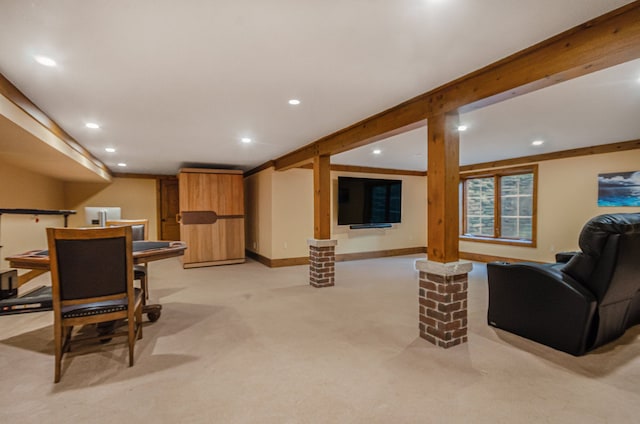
pixel 176 84
pixel 599 108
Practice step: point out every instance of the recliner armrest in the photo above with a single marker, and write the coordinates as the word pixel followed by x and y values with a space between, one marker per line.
pixel 564 257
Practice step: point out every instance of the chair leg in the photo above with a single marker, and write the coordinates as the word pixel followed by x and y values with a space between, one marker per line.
pixel 58 340
pixel 131 323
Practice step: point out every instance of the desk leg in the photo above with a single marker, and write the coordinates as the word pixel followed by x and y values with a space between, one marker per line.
pixel 28 276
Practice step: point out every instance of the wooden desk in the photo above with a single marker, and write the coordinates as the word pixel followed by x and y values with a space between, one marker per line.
pixel 37 262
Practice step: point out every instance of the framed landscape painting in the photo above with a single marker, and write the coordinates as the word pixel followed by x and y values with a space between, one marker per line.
pixel 619 189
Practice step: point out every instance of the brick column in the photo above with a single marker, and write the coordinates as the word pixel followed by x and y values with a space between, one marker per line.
pixel 443 302
pixel 322 258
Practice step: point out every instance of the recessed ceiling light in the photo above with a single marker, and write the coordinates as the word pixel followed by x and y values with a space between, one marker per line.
pixel 92 125
pixel 245 140
pixel 537 142
pixel 377 151
pixel 122 164
pixel 46 61
pixel 109 149
pixel 462 127
pixel 294 102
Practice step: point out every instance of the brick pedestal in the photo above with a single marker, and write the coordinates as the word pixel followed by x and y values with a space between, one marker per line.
pixel 322 259
pixel 443 302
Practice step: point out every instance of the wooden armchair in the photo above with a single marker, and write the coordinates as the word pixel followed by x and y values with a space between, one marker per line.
pixel 139 227
pixel 92 282
pixel 140 231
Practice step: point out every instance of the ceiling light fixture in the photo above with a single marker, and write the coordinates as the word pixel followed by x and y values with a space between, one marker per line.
pixel 294 102
pixel 245 140
pixel 92 125
pixel 46 61
pixel 122 164
pixel 462 127
pixel 110 149
pixel 537 142
pixel 377 151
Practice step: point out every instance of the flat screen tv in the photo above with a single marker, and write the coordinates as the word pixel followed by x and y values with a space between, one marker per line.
pixel 369 201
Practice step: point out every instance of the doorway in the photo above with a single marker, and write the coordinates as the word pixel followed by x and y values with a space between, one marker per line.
pixel 169 205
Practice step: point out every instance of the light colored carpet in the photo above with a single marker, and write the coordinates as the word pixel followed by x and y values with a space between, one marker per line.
pixel 249 344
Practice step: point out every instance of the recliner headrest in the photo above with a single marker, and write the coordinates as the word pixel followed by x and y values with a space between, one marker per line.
pixel 594 234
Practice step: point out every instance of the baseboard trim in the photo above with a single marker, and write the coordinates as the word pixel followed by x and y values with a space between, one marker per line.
pixel 257 257
pixel 479 257
pixel 212 263
pixel 277 263
pixel 380 254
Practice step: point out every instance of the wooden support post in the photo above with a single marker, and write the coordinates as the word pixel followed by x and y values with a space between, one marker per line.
pixel 443 278
pixel 322 250
pixel 442 185
pixel 322 197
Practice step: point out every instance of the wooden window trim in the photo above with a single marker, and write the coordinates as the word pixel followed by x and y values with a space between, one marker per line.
pixel 496 174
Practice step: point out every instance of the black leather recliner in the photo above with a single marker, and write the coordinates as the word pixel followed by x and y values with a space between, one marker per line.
pixel 578 305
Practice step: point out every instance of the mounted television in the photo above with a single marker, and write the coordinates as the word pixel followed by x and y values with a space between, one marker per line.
pixel 369 202
pixel 92 214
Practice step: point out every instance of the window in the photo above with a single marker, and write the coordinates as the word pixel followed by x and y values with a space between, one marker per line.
pixel 500 206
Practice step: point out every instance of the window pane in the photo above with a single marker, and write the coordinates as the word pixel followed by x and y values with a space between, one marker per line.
pixel 526 183
pixel 487 227
pixel 509 206
pixel 474 206
pixel 509 227
pixel 480 206
pixel 473 225
pixel 526 206
pixel 525 230
pixel 516 206
pixel 509 186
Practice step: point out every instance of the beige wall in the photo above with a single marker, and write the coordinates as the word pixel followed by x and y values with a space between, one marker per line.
pixel 292 213
pixel 280 211
pixel 411 232
pixel 279 207
pixel 285 200
pixel 21 189
pixel 258 210
pixel 567 198
pixel 135 196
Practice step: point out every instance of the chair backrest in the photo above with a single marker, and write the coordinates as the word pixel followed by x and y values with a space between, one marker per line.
pixel 93 263
pixel 609 266
pixel 139 227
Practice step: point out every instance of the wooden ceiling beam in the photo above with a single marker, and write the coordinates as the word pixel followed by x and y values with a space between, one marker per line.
pixel 606 41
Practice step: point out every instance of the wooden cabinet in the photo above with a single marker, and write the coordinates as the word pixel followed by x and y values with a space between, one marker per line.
pixel 211 216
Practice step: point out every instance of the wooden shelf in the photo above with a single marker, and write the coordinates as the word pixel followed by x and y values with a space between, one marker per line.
pixel 63 212
pixel 38 212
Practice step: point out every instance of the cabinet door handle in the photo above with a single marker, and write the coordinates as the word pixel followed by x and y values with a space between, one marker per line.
pixel 179 218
